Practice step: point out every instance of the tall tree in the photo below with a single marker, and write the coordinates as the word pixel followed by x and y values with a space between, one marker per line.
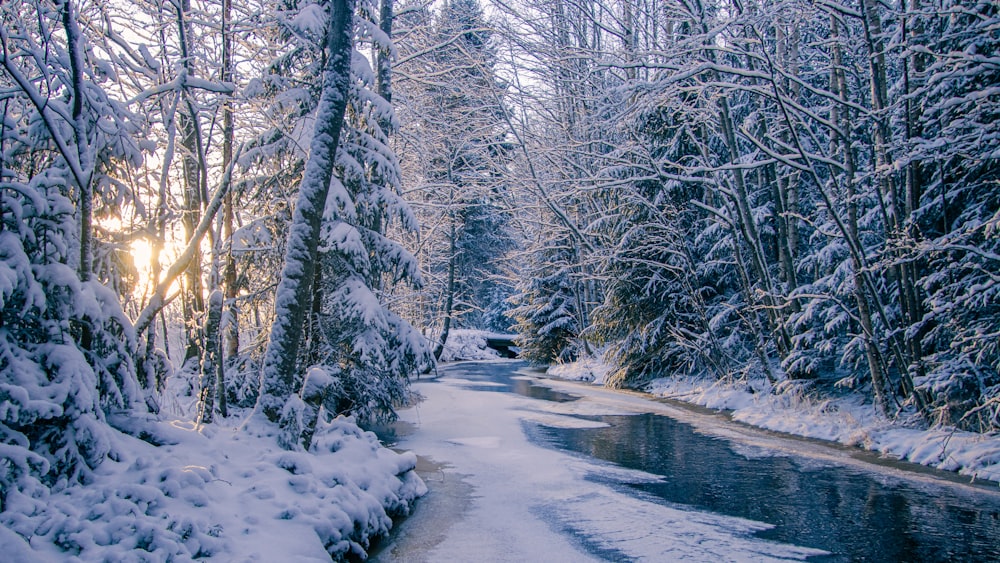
pixel 364 349
pixel 280 378
pixel 453 145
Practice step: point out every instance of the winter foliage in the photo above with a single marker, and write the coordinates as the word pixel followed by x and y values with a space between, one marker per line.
pixel 277 212
pixel 83 436
pixel 454 155
pixel 65 344
pixel 781 190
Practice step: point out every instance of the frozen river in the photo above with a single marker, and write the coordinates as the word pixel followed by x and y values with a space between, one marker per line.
pixel 527 470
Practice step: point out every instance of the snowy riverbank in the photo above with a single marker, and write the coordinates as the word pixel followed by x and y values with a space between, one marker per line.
pixel 218 492
pixel 847 420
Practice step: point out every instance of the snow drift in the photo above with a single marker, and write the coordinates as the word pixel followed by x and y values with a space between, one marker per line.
pixel 177 491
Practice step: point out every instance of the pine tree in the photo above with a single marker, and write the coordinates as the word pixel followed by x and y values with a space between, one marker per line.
pixel 958 210
pixel 545 312
pixel 348 331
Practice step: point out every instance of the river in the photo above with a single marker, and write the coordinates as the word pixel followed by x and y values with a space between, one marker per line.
pixel 527 469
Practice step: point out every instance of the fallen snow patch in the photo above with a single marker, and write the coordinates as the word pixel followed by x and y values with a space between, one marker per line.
pixel 467 344
pixel 219 492
pixel 586 369
pixel 556 421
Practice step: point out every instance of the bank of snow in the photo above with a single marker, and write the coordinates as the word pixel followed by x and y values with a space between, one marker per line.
pixel 222 493
pixel 469 344
pixel 847 420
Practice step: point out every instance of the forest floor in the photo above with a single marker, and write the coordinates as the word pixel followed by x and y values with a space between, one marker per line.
pixel 174 490
pixel 847 419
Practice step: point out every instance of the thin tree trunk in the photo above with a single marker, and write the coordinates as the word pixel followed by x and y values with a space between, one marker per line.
pixel 913 66
pixel 383 87
pixel 907 348
pixel 211 363
pixel 748 228
pixel 158 300
pixel 86 204
pixel 383 80
pixel 193 301
pixel 449 302
pixel 231 333
pixel 231 326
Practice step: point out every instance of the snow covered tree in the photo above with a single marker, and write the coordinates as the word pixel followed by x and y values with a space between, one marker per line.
pixel 545 311
pixel 348 197
pixel 280 377
pixel 371 349
pixel 454 151
pixel 564 100
pixel 957 212
pixel 838 178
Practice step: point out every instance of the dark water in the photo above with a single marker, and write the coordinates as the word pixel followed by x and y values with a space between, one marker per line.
pixel 856 513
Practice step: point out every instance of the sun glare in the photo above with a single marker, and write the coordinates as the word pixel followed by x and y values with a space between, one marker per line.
pixel 142 253
pixel 142 257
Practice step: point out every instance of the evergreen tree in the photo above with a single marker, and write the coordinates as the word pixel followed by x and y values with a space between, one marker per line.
pixel 348 331
pixel 958 209
pixel 545 311
pixel 455 153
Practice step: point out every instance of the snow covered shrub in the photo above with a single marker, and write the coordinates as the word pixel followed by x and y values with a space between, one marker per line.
pixel 65 344
pixel 64 348
pixel 291 424
pixel 468 344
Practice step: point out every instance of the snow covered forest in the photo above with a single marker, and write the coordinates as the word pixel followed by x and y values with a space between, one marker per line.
pixel 266 213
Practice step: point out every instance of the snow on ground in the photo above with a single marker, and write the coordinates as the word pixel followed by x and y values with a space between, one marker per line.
pixel 529 503
pixel 218 492
pixel 468 344
pixel 846 420
pixel 584 369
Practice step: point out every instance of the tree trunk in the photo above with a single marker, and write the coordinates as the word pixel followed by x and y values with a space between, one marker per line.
pixel 744 220
pixel 383 58
pixel 383 88
pixel 449 302
pixel 86 205
pixel 187 122
pixel 231 333
pixel 279 379
pixel 211 363
pixel 905 342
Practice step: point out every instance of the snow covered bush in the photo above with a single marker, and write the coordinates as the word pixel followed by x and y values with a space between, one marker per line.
pixel 65 344
pixel 468 344
pixel 222 493
pixel 65 348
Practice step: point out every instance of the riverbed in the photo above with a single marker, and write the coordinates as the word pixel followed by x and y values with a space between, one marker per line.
pixel 525 469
